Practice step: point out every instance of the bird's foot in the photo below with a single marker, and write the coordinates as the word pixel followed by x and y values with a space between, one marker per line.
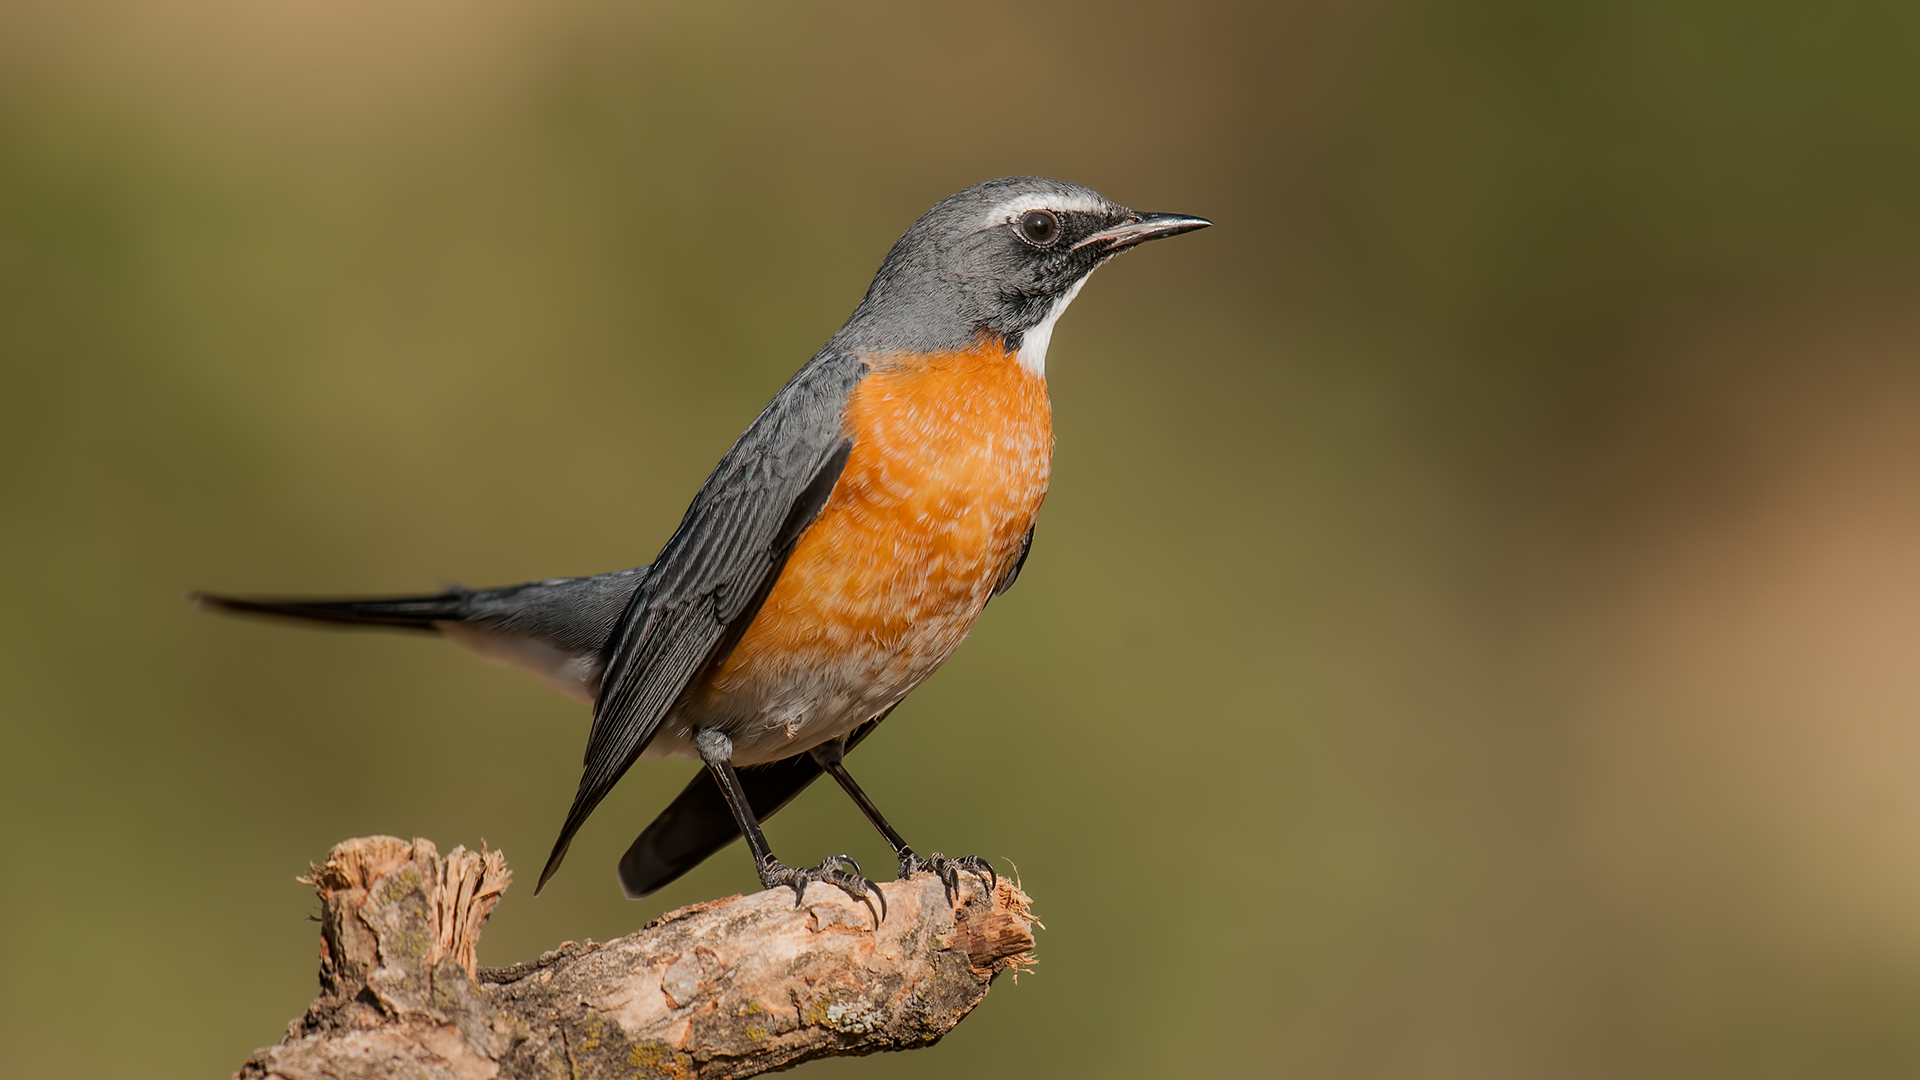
pixel 839 871
pixel 948 870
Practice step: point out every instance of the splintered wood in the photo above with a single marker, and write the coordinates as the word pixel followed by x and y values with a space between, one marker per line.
pixel 459 891
pixel 728 988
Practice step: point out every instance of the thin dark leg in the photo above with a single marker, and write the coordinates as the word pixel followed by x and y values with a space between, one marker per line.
pixel 716 750
pixel 832 759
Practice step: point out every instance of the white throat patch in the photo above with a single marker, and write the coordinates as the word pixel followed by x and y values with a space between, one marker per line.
pixel 1033 344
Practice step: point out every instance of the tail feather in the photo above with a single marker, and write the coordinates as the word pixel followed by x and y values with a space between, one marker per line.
pixel 397 612
pixel 556 628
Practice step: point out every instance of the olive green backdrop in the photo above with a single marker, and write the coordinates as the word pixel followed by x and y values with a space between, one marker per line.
pixel 1475 631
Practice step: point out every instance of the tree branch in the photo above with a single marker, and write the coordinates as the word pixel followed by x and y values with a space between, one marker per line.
pixel 728 988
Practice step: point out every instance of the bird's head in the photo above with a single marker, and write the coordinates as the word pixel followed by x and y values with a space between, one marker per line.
pixel 1000 260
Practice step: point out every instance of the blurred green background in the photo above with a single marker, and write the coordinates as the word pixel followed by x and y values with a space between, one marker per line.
pixel 1475 631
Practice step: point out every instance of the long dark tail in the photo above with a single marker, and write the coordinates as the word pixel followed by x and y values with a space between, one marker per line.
pixel 395 612
pixel 697 822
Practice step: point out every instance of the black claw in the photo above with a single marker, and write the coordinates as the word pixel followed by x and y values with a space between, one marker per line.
pixel 948 871
pixel 981 869
pixel 774 874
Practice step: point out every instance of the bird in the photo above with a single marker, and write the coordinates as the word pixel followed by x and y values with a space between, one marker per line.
pixel 835 557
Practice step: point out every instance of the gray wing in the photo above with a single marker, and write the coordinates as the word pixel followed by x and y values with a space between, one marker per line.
pixel 714 572
pixel 1019 561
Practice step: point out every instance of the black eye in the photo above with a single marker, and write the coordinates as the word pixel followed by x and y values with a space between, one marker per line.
pixel 1039 228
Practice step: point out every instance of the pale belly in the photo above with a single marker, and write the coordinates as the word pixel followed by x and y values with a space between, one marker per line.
pixel 821 695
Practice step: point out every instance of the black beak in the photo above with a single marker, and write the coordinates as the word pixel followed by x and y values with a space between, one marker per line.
pixel 1140 228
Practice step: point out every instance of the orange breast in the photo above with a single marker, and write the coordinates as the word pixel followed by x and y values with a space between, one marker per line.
pixel 949 466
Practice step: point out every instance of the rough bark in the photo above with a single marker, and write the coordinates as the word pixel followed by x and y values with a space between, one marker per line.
pixel 728 988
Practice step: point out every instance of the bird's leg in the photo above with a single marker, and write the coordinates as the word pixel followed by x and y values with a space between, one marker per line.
pixel 716 750
pixel 831 756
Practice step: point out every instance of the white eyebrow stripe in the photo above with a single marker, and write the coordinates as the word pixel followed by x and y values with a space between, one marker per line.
pixel 1012 209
